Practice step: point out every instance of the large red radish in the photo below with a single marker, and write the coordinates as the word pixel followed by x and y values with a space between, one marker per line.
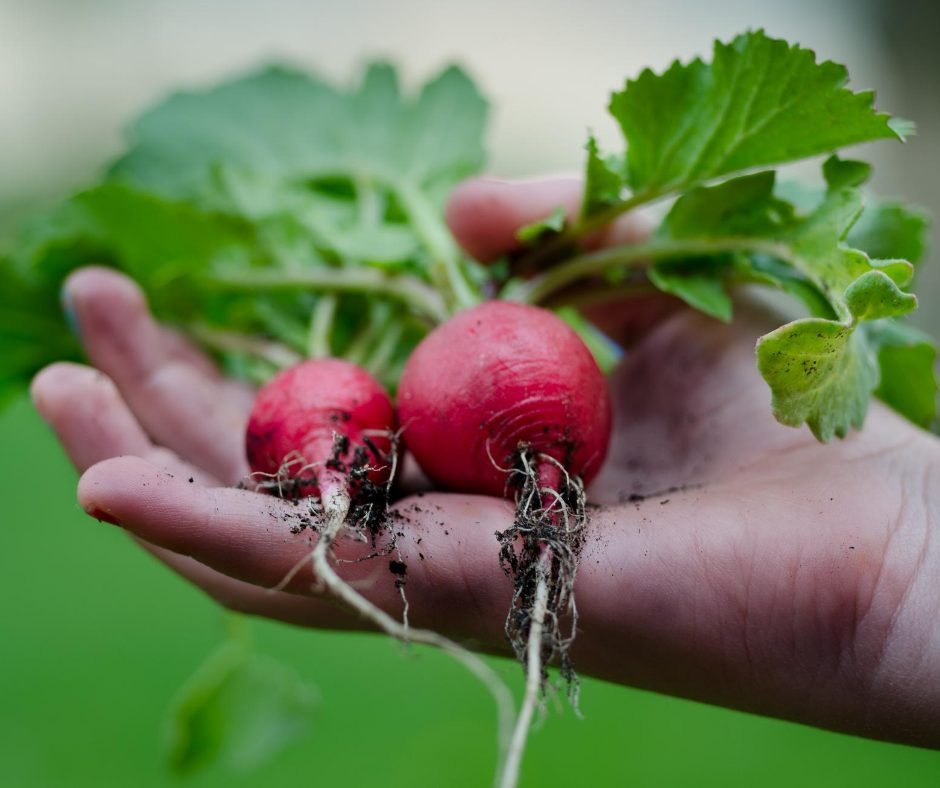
pixel 494 381
pixel 506 399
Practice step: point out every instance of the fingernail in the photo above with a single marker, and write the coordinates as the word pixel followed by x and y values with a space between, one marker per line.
pixel 68 309
pixel 101 515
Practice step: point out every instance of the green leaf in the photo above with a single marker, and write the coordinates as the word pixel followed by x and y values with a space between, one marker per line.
pixel 761 101
pixel 739 208
pixel 275 121
pixel 606 352
pixel 907 359
pixel 820 373
pixel 292 127
pixel 440 141
pixel 33 332
pixel 891 229
pixel 845 172
pixel 765 270
pixel 817 249
pixel 874 296
pixel 823 372
pixel 365 173
pixel 551 224
pixel 700 285
pixel 310 219
pixel 153 239
pixel 885 229
pixel 603 183
pixel 238 710
pixel 743 206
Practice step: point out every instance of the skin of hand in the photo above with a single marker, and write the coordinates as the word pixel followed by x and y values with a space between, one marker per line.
pixel 761 571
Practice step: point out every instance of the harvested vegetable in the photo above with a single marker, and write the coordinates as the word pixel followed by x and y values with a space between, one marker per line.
pixel 506 399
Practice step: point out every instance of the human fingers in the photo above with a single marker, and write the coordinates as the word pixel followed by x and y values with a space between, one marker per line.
pixel 94 423
pixel 453 578
pixel 178 403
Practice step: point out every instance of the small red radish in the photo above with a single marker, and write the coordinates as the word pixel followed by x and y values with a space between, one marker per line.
pixel 494 380
pixel 317 422
pixel 322 428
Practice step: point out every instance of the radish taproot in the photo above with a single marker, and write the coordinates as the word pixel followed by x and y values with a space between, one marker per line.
pixel 506 399
pixel 325 429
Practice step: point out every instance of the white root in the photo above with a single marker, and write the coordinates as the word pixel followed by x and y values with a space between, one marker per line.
pixel 533 679
pixel 551 517
pixel 336 508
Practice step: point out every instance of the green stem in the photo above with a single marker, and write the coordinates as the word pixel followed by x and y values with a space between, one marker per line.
pixel 355 351
pixel 445 256
pixel 371 205
pixel 231 342
pixel 602 294
pixel 378 360
pixel 281 326
pixel 608 215
pixel 430 227
pixel 374 325
pixel 422 299
pixel 542 256
pixel 321 327
pixel 541 287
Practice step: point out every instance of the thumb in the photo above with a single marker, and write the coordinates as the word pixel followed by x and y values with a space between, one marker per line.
pixel 485 215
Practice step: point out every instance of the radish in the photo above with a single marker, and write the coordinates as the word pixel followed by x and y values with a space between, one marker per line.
pixel 324 428
pixel 319 428
pixel 506 398
pixel 496 378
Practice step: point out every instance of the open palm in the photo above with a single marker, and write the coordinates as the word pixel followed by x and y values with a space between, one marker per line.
pixel 734 560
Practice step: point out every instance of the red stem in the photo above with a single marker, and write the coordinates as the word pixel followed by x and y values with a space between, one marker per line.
pixel 549 476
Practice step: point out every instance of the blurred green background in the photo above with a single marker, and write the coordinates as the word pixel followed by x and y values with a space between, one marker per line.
pixel 98 637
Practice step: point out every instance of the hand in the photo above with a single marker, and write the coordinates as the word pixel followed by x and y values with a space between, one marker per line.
pixel 765 572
